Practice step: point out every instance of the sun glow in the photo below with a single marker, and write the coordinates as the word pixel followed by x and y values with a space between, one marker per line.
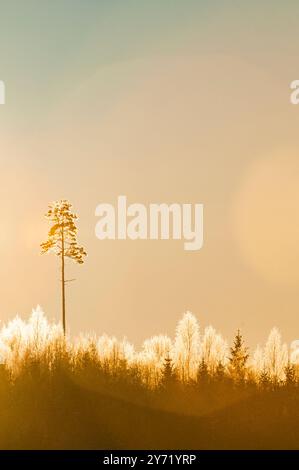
pixel 266 218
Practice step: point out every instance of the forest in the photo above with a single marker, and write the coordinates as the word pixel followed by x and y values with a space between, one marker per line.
pixel 193 391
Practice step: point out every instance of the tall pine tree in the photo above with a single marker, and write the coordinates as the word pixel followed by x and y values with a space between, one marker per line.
pixel 62 240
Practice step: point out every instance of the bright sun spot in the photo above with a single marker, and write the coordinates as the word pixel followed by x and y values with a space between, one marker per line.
pixel 266 218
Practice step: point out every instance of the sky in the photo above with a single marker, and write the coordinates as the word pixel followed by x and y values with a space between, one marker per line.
pixel 162 101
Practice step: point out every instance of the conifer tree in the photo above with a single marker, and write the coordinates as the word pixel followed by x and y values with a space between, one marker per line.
pixel 220 372
pixel 62 241
pixel 202 373
pixel 238 358
pixel 168 375
pixel 290 374
pixel 264 379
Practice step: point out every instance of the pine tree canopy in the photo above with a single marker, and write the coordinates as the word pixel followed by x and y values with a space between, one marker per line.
pixel 62 236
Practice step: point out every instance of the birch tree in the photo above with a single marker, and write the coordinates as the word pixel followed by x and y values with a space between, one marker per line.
pixel 187 347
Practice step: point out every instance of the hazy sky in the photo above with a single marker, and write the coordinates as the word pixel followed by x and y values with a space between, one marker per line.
pixel 163 101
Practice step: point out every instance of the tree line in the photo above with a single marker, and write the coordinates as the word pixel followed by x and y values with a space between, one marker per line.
pixel 190 357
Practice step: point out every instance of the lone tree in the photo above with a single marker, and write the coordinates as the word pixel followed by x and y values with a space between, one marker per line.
pixel 62 241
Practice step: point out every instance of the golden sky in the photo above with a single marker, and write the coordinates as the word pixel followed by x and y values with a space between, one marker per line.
pixel 180 111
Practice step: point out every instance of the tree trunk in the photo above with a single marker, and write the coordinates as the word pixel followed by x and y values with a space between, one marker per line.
pixel 63 284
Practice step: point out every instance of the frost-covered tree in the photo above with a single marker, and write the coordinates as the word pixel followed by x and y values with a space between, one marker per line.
pixel 62 240
pixel 187 347
pixel 275 356
pixel 294 355
pixel 213 349
pixel 258 361
pixel 114 354
pixel 154 352
pixel 208 346
pixel 160 346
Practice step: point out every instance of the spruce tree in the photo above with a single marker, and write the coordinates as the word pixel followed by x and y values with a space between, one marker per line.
pixel 290 375
pixel 238 358
pixel 264 379
pixel 220 372
pixel 203 373
pixel 168 375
